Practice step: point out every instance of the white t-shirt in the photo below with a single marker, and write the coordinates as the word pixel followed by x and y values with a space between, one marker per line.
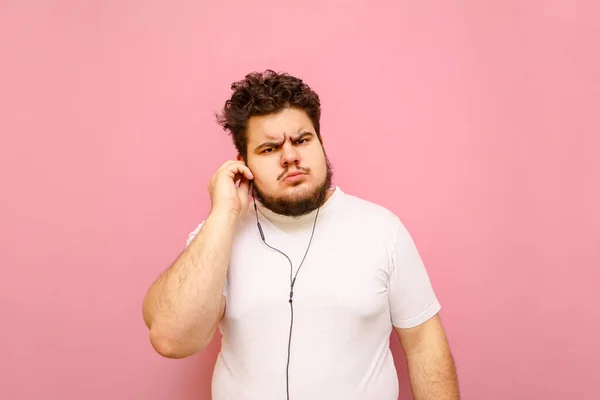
pixel 362 276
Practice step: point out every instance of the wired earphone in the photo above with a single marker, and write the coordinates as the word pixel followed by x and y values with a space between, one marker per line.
pixel 292 283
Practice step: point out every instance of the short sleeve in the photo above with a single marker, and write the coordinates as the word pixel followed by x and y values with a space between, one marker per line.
pixel 192 235
pixel 411 295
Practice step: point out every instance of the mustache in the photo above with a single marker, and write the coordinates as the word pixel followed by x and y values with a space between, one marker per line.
pixel 284 173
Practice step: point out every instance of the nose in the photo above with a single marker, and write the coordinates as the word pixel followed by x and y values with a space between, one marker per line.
pixel 289 155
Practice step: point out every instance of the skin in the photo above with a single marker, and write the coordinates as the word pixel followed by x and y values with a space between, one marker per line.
pixel 431 370
pixel 184 306
pixel 280 144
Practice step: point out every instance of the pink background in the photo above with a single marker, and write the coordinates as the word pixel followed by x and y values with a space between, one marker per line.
pixel 476 122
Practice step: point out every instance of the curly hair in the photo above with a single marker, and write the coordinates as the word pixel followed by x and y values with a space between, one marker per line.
pixel 262 94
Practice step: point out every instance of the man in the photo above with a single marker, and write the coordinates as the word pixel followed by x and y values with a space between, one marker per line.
pixel 305 282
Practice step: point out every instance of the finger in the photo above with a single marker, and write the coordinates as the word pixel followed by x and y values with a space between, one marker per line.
pixel 248 174
pixel 226 165
pixel 237 179
pixel 240 168
pixel 244 188
pixel 244 183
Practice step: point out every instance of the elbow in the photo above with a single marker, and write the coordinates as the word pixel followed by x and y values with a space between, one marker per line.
pixel 167 348
pixel 172 348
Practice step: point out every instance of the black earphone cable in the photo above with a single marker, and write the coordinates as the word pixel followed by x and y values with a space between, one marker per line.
pixel 292 283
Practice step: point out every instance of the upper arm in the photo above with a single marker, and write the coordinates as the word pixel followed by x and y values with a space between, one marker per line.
pixel 222 308
pixel 427 336
pixel 192 235
pixel 223 305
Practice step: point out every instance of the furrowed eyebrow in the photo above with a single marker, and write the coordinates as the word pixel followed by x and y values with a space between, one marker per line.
pixel 268 144
pixel 298 136
pixel 302 135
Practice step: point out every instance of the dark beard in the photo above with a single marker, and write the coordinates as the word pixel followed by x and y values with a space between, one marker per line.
pixel 296 207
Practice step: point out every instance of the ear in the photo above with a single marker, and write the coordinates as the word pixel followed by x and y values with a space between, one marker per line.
pixel 240 158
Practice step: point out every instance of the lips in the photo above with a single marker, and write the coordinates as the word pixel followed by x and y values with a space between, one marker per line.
pixel 293 174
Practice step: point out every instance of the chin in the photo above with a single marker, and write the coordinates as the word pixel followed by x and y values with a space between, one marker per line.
pixel 296 198
pixel 301 187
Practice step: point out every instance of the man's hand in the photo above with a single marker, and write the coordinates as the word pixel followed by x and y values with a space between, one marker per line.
pixel 225 195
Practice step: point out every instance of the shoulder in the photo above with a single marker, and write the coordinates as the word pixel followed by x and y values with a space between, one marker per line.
pixel 370 214
pixel 377 220
pixel 381 222
pixel 373 222
pixel 377 226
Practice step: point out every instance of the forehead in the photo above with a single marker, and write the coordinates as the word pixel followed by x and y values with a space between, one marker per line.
pixel 287 122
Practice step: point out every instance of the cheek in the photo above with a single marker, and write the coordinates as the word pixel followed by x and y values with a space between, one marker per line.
pixel 266 174
pixel 319 164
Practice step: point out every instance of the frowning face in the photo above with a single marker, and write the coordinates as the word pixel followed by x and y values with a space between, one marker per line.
pixel 290 167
